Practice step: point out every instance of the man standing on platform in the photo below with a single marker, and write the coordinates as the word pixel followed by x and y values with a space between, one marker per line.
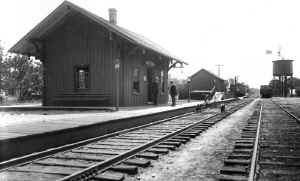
pixel 173 93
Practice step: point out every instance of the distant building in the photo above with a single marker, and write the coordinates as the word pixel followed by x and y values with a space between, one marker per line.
pixel 203 85
pixel 85 55
pixel 204 80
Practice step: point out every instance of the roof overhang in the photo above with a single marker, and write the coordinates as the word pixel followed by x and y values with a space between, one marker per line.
pixel 28 44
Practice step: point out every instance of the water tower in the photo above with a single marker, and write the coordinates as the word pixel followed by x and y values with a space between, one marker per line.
pixel 282 71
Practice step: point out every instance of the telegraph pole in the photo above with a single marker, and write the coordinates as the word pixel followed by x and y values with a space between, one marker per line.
pixel 219 68
pixel 235 85
pixel 1 65
pixel 189 89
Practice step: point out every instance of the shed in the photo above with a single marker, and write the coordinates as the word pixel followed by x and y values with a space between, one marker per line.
pixel 204 80
pixel 90 61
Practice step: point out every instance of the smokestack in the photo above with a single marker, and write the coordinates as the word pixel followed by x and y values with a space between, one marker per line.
pixel 112 16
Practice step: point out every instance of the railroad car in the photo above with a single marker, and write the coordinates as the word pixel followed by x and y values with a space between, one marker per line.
pixel 266 91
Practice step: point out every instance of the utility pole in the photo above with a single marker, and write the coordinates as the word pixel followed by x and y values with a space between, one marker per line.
pixel 235 85
pixel 1 65
pixel 189 89
pixel 219 68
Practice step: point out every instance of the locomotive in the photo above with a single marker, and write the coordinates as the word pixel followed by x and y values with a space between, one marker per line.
pixel 266 91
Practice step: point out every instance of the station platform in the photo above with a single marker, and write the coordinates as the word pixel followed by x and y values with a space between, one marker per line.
pixel 25 132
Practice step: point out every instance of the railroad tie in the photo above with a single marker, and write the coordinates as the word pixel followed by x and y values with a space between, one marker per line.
pixel 158 150
pixel 241 141
pixel 177 140
pixel 243 151
pixel 173 143
pixel 236 166
pixel 137 162
pixel 239 156
pixel 129 169
pixel 237 162
pixel 241 170
pixel 201 127
pixel 109 176
pixel 194 132
pixel 188 134
pixel 170 147
pixel 182 137
pixel 232 178
pixel 147 155
pixel 80 162
pixel 243 145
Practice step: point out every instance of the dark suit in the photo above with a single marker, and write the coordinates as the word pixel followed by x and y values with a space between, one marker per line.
pixel 173 93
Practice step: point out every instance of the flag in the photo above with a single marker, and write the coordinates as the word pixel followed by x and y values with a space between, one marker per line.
pixel 268 51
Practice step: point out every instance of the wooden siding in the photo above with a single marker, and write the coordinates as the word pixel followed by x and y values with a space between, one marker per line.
pixel 138 60
pixel 204 81
pixel 79 41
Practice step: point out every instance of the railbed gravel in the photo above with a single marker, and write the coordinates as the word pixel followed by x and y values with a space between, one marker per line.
pixel 202 157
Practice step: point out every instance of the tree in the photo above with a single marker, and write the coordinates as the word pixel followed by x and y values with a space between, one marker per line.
pixel 23 75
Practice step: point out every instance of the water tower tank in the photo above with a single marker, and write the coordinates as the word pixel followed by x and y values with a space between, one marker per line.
pixel 283 68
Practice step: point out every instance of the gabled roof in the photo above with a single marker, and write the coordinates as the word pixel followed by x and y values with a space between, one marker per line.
pixel 208 72
pixel 25 45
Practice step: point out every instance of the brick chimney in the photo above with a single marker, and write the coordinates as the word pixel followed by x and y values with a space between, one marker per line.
pixel 112 16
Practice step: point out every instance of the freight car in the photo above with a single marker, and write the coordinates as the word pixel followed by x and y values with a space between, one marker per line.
pixel 266 91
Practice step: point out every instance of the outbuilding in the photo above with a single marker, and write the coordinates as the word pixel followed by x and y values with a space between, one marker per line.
pixel 90 61
pixel 204 80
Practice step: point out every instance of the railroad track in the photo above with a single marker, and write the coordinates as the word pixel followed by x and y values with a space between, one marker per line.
pixel 107 158
pixel 269 148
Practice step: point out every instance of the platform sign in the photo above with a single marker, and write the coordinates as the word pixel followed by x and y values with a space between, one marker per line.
pixel 117 67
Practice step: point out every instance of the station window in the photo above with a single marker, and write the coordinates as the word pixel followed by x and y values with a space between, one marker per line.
pixel 82 77
pixel 136 80
pixel 162 81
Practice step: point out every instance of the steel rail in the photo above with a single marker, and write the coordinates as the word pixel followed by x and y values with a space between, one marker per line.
pixel 47 153
pixel 89 172
pixel 252 173
pixel 288 112
pixel 102 166
pixel 43 154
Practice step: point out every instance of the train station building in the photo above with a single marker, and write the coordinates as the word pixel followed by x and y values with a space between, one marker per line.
pixel 90 61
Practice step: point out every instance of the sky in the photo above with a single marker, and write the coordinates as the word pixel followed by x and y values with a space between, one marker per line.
pixel 204 33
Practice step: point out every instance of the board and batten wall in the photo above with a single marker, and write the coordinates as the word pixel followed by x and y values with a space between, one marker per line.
pixel 138 60
pixel 79 41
